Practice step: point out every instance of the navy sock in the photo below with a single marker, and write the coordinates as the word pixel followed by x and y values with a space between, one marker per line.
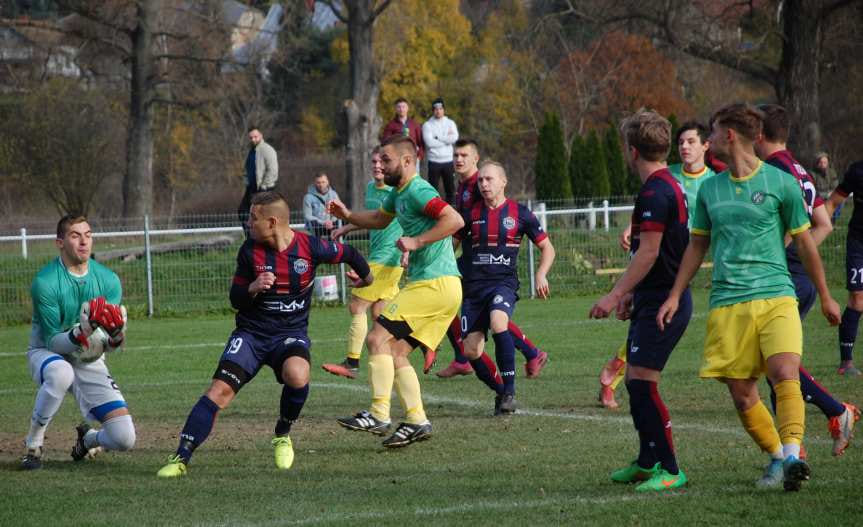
pixel 487 372
pixel 504 353
pixel 848 332
pixel 291 405
pixel 816 394
pixel 198 426
pixel 653 419
pixel 522 343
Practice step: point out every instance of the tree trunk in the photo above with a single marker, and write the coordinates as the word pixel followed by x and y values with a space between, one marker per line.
pixel 360 111
pixel 797 85
pixel 138 183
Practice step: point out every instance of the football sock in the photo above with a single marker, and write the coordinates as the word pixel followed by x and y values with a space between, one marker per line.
pixel 357 335
pixel 198 426
pixel 504 352
pixel 521 342
pixel 613 371
pixel 848 332
pixel 456 340
pixel 290 406
pixel 408 389
pixel 381 375
pixel 759 425
pixel 486 371
pixel 790 412
pixel 117 433
pixel 653 424
pixel 57 377
pixel 815 394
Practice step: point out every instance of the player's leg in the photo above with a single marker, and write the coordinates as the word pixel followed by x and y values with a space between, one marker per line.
pixel 460 364
pixel 357 332
pixel 475 323
pixel 610 376
pixel 504 352
pixel 448 182
pixel 294 376
pixel 238 365
pixel 851 316
pixel 100 398
pixel 536 358
pixel 54 376
pixel 381 378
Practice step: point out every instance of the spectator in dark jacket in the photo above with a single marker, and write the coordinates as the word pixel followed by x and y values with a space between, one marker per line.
pixel 401 124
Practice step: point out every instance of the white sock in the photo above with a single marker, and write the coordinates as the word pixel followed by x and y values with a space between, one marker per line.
pixel 117 433
pixel 791 449
pixel 57 378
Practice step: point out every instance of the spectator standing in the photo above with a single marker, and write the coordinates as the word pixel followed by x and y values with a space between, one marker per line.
pixel 318 221
pixel 825 175
pixel 262 172
pixel 403 125
pixel 439 134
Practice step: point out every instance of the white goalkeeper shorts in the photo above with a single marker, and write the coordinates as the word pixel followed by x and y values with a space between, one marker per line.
pixel 93 387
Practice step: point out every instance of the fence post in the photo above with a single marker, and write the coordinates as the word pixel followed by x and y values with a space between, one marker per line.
pixel 343 293
pixel 531 272
pixel 605 214
pixel 24 242
pixel 591 217
pixel 149 260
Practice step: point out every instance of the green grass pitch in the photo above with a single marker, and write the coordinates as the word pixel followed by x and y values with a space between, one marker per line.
pixel 547 465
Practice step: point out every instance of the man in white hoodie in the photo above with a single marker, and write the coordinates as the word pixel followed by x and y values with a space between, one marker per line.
pixel 439 134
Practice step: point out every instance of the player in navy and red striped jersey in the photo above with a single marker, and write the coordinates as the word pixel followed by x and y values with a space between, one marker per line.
pixel 659 238
pixel 466 159
pixel 771 148
pixel 491 239
pixel 272 291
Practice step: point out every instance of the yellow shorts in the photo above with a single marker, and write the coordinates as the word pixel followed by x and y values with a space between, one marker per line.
pixel 428 307
pixel 741 337
pixel 385 286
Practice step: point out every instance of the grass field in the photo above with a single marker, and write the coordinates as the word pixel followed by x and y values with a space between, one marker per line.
pixel 547 465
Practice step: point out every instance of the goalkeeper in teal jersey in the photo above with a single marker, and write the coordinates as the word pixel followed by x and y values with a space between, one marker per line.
pixel 76 317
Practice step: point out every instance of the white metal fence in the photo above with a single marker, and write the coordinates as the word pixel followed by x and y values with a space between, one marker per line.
pixel 184 265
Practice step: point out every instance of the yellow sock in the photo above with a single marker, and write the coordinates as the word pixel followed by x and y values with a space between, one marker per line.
pixel 357 335
pixel 759 425
pixel 613 371
pixel 790 411
pixel 381 372
pixel 408 387
pixel 621 354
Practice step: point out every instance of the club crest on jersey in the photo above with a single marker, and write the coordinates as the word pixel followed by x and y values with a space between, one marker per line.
pixel 509 222
pixel 465 196
pixel 757 197
pixel 301 266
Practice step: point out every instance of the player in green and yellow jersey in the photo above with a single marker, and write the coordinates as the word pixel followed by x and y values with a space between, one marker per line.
pixel 692 145
pixel 424 308
pixel 753 327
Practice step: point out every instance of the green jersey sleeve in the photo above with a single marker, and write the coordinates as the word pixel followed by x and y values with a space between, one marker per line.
pixel 793 209
pixel 46 309
pixel 701 223
pixel 421 196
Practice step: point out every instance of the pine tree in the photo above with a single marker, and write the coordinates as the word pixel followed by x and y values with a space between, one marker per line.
pixel 595 166
pixel 577 176
pixel 552 182
pixel 614 162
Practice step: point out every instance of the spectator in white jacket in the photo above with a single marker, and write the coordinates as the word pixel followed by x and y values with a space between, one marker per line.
pixel 439 134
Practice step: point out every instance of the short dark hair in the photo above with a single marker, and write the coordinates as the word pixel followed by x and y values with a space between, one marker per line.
pixel 776 126
pixel 466 141
pixel 269 197
pixel 253 127
pixel 403 144
pixel 400 99
pixel 701 129
pixel 649 133
pixel 741 117
pixel 67 221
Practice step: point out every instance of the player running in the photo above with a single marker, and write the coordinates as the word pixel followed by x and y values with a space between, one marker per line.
pixel 771 148
pixel 466 159
pixel 72 296
pixel 492 236
pixel 693 146
pixel 272 290
pixel 753 325
pixel 423 309
pixel 659 238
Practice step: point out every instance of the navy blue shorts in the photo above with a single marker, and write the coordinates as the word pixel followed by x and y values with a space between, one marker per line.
pixel 853 264
pixel 475 309
pixel 251 351
pixel 806 293
pixel 646 345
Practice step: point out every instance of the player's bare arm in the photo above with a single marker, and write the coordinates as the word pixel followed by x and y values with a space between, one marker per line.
pixel 821 224
pixel 546 258
pixel 835 200
pixel 368 219
pixel 448 222
pixel 808 252
pixel 641 263
pixel 692 259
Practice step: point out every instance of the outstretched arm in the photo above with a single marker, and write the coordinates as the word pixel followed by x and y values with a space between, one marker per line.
pixel 692 258
pixel 808 252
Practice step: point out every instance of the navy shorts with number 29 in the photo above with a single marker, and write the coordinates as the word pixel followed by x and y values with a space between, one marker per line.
pixel 251 351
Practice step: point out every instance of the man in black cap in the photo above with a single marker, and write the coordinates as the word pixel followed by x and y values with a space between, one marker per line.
pixel 439 134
